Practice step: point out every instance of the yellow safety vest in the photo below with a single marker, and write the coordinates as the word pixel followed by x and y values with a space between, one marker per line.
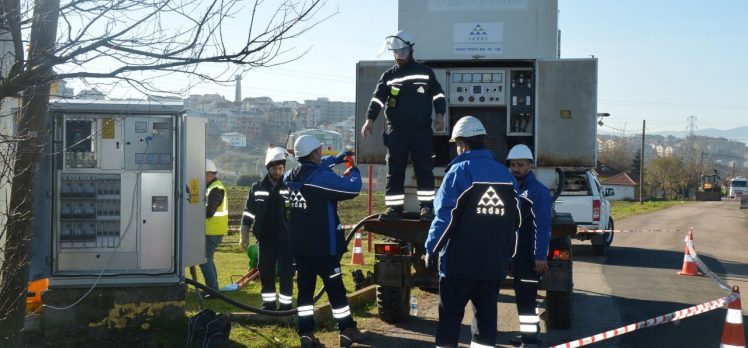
pixel 218 225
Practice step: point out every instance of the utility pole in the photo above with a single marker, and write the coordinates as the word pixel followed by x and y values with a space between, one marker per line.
pixel 641 163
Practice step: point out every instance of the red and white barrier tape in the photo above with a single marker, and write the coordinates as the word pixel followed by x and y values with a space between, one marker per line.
pixel 677 315
pixel 585 230
pixel 704 269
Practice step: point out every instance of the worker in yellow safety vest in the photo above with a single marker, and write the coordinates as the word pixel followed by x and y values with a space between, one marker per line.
pixel 216 222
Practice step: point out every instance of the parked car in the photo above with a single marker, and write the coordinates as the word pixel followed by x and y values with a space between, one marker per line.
pixel 586 200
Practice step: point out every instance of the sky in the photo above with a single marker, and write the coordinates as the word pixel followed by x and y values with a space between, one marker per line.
pixel 660 61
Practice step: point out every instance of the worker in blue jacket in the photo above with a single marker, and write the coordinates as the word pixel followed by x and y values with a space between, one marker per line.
pixel 317 239
pixel 531 260
pixel 474 233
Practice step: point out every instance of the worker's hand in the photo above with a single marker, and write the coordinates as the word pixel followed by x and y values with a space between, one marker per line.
pixel 439 122
pixel 541 266
pixel 340 158
pixel 367 128
pixel 244 237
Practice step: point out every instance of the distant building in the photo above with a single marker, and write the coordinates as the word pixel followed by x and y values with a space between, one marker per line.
pixel 324 111
pixel 91 94
pixel 234 139
pixel 623 185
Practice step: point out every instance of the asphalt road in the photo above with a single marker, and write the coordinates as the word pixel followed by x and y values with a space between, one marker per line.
pixel 638 278
pixel 636 281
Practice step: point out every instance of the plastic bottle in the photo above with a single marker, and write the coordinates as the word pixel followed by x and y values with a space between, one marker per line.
pixel 413 306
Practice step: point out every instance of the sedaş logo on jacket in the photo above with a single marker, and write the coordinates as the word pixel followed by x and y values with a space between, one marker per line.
pixel 297 200
pixel 490 203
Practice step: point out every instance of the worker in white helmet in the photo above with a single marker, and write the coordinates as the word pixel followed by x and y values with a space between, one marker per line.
pixel 216 222
pixel 531 259
pixel 407 92
pixel 266 211
pixel 473 235
pixel 317 238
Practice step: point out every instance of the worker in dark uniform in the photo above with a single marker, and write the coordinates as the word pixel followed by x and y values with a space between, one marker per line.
pixel 530 261
pixel 474 233
pixel 216 223
pixel 317 236
pixel 267 208
pixel 407 92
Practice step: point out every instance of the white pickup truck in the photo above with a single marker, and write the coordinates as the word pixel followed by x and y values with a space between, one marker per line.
pixel 585 199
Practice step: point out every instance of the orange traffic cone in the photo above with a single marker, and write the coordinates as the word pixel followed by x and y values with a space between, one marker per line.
pixel 689 265
pixel 357 258
pixel 733 334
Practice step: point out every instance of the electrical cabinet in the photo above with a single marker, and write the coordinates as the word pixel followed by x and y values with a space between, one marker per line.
pixel 123 186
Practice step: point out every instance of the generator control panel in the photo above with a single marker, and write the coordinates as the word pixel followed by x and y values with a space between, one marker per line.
pixel 477 87
pixel 522 106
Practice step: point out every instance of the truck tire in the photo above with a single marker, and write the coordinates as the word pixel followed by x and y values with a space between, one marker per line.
pixel 558 306
pixel 609 236
pixel 393 303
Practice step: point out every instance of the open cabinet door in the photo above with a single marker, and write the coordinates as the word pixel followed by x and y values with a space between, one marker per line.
pixel 41 226
pixel 192 206
pixel 567 110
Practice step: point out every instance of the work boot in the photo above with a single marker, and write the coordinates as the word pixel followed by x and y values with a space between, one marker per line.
pixel 352 335
pixel 427 214
pixel 309 341
pixel 284 307
pixel 269 306
pixel 516 340
pixel 392 214
pixel 520 341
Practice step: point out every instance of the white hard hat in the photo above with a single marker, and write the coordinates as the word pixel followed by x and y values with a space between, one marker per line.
pixel 275 153
pixel 210 166
pixel 520 151
pixel 304 145
pixel 466 127
pixel 398 41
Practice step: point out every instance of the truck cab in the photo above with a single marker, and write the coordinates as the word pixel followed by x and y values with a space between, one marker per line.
pixel 585 199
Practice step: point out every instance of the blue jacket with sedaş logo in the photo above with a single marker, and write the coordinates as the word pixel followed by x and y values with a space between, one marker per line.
pixel 314 192
pixel 477 217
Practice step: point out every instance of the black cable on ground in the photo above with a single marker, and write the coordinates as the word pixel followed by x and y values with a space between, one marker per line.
pixel 289 312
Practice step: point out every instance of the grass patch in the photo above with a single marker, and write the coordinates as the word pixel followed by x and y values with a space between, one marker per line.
pixel 622 209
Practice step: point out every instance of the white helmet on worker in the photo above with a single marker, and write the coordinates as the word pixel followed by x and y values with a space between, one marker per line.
pixel 304 145
pixel 210 166
pixel 467 127
pixel 399 41
pixel 520 151
pixel 275 154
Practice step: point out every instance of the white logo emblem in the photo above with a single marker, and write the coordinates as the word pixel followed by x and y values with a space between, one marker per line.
pixel 421 90
pixel 490 203
pixel 297 200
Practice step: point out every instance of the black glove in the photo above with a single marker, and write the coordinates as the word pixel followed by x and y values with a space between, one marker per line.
pixel 340 157
pixel 430 261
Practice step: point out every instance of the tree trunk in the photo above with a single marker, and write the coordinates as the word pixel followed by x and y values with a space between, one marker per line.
pixel 29 150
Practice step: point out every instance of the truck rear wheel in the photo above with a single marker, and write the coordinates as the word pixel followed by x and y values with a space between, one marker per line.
pixel 558 306
pixel 393 303
pixel 609 236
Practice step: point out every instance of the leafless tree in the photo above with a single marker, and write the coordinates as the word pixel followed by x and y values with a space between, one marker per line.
pixel 132 43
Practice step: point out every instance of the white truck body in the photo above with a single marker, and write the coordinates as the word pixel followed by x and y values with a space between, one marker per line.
pixel 738 186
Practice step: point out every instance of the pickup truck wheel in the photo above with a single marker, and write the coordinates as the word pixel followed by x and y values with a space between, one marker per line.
pixel 393 303
pixel 558 306
pixel 609 235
